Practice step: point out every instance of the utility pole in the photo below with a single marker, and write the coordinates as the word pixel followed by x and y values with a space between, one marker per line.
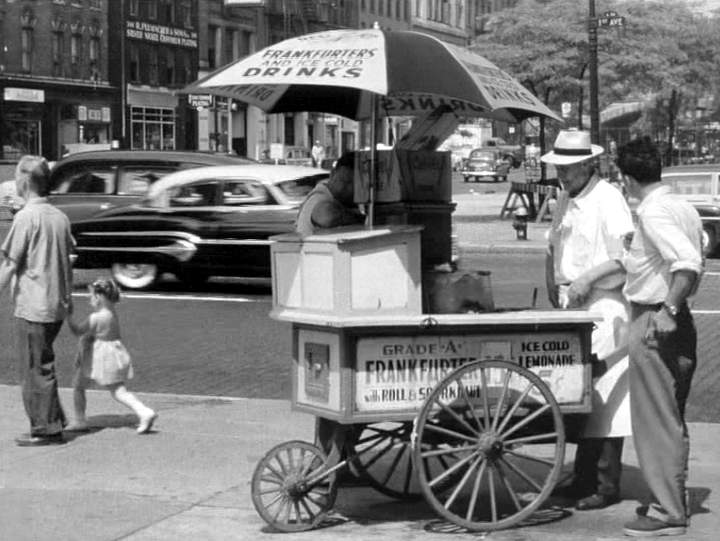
pixel 593 68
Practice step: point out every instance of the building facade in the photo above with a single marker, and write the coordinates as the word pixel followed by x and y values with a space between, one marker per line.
pixel 54 82
pixel 155 44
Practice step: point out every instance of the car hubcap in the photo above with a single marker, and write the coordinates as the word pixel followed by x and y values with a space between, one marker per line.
pixel 134 275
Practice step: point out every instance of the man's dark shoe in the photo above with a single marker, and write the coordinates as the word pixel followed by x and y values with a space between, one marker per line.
pixel 26 440
pixel 596 501
pixel 644 526
pixel 571 492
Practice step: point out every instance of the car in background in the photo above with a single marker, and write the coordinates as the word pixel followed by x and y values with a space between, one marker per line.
pixel 208 221
pixel 486 163
pixel 85 183
pixel 698 184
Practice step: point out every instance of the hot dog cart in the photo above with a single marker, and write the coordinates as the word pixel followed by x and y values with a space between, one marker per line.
pixel 467 410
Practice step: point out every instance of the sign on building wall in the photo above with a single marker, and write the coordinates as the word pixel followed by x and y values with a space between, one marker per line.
pixel 158 33
pixel 24 94
pixel 245 3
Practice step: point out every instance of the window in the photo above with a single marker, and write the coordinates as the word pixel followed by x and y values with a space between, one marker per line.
pixel 134 55
pixel 153 66
pixel 58 46
pixel 95 4
pixel 94 56
pixel 167 11
pixel 186 13
pixel 152 128
pixel 134 7
pixel 83 179
pixel 151 9
pixel 187 68
pixel 136 179
pixel 75 49
pixel 213 44
pixel 201 194
pixel 26 45
pixel 230 44
pixel 169 75
pixel 244 192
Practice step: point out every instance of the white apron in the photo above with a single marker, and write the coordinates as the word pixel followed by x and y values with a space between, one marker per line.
pixel 610 415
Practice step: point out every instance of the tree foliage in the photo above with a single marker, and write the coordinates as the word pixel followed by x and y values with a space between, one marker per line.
pixel 665 51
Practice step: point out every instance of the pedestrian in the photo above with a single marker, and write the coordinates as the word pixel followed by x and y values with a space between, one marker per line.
pixel 664 265
pixel 317 153
pixel 103 359
pixel 586 244
pixel 36 259
pixel 331 203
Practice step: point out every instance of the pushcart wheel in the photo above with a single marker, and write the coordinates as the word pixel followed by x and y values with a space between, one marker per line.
pixel 381 454
pixel 293 486
pixel 482 418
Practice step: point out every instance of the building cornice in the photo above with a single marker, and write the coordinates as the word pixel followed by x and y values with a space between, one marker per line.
pixel 54 81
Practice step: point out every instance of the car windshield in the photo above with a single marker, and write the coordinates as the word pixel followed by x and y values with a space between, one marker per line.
pixel 482 155
pixel 297 189
pixel 690 184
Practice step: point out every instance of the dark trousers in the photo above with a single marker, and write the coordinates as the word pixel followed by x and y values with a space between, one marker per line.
pixel 660 375
pixel 36 364
pixel 598 466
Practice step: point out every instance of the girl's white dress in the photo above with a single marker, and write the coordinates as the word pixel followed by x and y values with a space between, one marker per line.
pixel 102 357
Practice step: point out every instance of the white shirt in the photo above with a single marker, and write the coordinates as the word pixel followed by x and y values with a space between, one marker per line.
pixel 668 239
pixel 587 230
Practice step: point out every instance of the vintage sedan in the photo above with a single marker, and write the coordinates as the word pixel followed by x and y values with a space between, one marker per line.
pixel 209 221
pixel 699 185
pixel 486 163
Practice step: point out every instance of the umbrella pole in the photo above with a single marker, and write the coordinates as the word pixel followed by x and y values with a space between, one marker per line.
pixel 373 161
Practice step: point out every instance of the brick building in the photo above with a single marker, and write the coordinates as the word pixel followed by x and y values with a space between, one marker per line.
pixel 54 80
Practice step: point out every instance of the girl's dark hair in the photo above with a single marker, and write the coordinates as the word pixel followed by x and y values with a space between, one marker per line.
pixel 107 288
pixel 640 158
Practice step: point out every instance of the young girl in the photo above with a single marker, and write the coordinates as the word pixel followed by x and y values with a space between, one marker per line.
pixel 103 359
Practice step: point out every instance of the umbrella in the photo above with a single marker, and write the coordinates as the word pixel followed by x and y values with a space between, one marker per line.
pixel 359 73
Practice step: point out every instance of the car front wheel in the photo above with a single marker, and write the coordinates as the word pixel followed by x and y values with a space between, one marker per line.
pixel 135 275
pixel 709 240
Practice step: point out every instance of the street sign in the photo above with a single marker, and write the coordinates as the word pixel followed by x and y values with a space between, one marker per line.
pixel 611 18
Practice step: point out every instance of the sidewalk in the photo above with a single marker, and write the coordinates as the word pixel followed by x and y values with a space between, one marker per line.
pixel 190 480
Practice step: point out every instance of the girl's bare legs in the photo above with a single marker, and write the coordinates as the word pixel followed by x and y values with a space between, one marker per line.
pixel 147 416
pixel 79 423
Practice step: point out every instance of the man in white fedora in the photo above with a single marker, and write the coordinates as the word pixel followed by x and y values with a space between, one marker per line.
pixel 586 239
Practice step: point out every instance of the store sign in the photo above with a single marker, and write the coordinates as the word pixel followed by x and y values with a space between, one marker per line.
pixel 93 114
pixel 245 3
pixel 200 100
pixel 399 373
pixel 24 94
pixel 158 33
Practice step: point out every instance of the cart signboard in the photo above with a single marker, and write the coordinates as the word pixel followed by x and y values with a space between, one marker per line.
pixel 397 373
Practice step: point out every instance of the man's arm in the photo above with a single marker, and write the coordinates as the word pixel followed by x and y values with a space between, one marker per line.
pixel 682 283
pixel 8 269
pixel 580 288
pixel 327 215
pixel 550 284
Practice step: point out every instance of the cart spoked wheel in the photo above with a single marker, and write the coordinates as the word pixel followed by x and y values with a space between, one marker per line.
pixel 482 419
pixel 293 486
pixel 382 454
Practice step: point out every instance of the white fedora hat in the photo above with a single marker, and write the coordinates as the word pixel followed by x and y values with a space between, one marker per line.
pixel 572 146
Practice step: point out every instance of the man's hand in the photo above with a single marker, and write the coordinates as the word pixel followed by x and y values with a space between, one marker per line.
pixel 661 326
pixel 578 292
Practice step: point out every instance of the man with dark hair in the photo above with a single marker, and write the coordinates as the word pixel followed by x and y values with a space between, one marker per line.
pixel 330 203
pixel 36 255
pixel 664 265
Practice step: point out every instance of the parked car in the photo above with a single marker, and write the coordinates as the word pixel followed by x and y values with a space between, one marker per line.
pixel 486 163
pixel 86 183
pixel 514 154
pixel 209 221
pixel 698 184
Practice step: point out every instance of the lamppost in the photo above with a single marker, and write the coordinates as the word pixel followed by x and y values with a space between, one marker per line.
pixel 593 68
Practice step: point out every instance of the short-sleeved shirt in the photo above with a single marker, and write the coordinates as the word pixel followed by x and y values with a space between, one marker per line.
pixel 668 239
pixel 589 229
pixel 40 243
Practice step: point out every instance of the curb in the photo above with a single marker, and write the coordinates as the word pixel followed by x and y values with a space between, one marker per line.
pixel 501 248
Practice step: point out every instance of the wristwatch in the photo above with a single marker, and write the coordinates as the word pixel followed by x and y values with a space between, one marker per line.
pixel 671 309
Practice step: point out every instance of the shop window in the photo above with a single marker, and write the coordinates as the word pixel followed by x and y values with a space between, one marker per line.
pixel 152 128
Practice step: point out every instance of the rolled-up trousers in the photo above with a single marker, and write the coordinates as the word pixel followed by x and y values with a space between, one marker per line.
pixel 36 366
pixel 660 373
